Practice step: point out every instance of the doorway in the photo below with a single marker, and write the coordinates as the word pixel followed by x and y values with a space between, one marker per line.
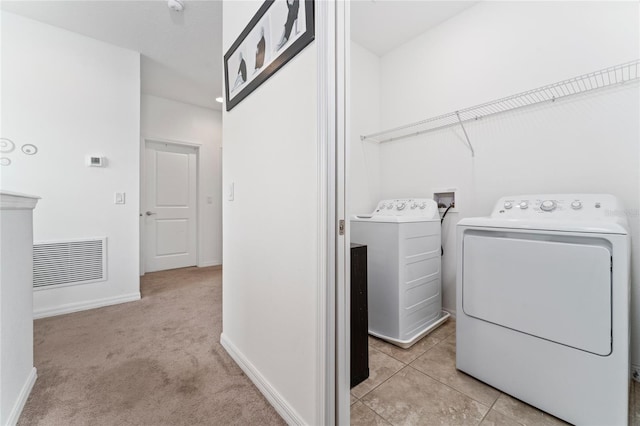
pixel 170 207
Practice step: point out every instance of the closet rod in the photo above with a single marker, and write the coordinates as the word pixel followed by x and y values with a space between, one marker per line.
pixel 607 77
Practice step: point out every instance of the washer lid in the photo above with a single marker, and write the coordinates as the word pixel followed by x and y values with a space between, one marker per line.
pixel 402 210
pixel 591 213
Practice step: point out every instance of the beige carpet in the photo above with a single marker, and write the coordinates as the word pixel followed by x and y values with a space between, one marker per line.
pixel 157 361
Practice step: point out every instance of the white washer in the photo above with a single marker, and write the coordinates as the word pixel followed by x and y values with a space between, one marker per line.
pixel 403 252
pixel 543 304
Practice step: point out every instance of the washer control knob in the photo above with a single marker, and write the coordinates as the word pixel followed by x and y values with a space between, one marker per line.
pixel 524 205
pixel 576 205
pixel 423 206
pixel 414 205
pixel 548 205
pixel 402 205
pixel 508 205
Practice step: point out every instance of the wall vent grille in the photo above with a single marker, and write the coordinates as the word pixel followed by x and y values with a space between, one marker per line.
pixel 69 262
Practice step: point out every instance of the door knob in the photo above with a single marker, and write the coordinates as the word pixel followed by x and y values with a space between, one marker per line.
pixel 149 213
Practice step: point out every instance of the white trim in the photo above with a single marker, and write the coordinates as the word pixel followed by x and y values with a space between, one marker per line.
pixel 286 411
pixel 142 205
pixel 83 306
pixel 325 356
pixel 199 206
pixel 452 312
pixel 171 141
pixel 14 415
pixel 214 262
pixel 343 259
pixel 15 201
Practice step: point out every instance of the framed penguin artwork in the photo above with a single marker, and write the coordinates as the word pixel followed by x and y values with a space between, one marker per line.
pixel 277 33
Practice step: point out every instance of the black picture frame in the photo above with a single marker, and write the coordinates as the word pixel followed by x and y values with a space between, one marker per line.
pixel 271 53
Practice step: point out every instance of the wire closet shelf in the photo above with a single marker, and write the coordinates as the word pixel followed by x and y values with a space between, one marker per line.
pixel 608 77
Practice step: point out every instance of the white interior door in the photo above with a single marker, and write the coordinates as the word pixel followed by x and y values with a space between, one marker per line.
pixel 171 209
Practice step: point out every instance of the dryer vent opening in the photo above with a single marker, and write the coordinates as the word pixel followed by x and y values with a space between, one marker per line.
pixel 70 262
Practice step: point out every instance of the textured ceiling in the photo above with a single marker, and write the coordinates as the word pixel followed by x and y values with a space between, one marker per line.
pixel 181 52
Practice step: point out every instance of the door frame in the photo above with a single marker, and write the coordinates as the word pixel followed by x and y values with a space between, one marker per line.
pixel 333 39
pixel 144 141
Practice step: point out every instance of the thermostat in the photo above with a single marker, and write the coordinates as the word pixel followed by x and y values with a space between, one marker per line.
pixel 96 161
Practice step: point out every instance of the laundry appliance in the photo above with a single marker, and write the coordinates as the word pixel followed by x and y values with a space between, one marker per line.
pixel 543 304
pixel 404 278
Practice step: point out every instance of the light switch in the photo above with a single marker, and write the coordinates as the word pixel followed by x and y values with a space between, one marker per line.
pixel 209 200
pixel 120 197
pixel 230 194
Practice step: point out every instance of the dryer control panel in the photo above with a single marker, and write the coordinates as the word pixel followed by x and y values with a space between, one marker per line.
pixel 559 207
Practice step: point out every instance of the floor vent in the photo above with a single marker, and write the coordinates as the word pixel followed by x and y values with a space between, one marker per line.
pixel 69 262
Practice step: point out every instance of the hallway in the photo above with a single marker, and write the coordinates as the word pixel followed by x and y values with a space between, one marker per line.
pixel 157 361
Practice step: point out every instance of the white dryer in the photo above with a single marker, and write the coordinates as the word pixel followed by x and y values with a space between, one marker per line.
pixel 543 304
pixel 404 282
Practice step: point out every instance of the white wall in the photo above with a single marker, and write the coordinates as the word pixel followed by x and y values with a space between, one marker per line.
pixel 494 49
pixel 270 235
pixel 164 119
pixel 73 96
pixel 364 161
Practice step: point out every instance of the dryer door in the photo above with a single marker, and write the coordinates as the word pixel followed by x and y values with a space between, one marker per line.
pixel 552 287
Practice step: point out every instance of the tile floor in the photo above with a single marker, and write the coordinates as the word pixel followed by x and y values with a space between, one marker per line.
pixel 421 386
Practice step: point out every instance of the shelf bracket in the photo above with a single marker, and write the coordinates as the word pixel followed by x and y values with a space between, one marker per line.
pixel 473 153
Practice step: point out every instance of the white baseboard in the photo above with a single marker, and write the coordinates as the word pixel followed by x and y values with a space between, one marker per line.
pixel 22 398
pixel 84 305
pixel 214 262
pixel 283 408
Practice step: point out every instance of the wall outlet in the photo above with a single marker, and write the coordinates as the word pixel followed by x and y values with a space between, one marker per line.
pixel 635 372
